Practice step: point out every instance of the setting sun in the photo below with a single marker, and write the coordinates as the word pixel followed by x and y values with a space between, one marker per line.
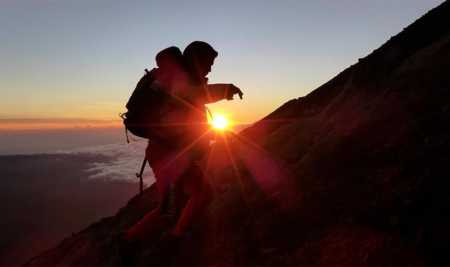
pixel 219 122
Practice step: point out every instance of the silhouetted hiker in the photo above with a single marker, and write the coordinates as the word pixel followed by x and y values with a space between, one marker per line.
pixel 176 160
pixel 199 58
pixel 147 114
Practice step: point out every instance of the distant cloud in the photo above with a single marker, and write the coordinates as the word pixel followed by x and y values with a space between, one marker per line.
pixel 126 160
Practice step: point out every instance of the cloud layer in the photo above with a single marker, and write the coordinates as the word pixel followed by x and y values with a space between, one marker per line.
pixel 124 161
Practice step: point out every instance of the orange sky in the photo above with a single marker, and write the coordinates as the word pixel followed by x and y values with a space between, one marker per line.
pixel 81 59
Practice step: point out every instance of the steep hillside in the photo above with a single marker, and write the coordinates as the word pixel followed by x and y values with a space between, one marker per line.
pixel 355 173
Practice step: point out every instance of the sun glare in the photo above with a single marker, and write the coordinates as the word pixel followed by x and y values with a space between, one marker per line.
pixel 219 122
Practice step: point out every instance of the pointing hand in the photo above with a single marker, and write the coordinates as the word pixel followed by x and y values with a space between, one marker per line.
pixel 234 90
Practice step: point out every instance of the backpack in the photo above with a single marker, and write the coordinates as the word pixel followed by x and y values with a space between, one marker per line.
pixel 145 108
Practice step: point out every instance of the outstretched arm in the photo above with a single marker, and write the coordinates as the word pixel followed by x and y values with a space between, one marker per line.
pixel 218 91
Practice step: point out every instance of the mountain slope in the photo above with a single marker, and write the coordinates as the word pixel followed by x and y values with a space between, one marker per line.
pixel 354 173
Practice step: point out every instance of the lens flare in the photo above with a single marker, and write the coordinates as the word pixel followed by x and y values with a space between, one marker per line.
pixel 219 122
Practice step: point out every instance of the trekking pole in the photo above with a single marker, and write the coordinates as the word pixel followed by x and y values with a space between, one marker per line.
pixel 139 175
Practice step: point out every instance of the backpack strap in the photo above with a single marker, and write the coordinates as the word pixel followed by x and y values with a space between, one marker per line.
pixel 123 116
pixel 126 134
pixel 209 112
pixel 139 175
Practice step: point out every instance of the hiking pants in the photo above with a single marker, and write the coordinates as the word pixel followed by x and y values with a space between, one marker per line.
pixel 181 170
pixel 196 186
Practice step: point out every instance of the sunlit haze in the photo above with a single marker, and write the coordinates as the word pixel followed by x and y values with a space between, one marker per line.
pixel 82 59
pixel 219 122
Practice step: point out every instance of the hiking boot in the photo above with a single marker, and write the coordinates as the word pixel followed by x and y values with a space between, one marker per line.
pixel 128 250
pixel 169 243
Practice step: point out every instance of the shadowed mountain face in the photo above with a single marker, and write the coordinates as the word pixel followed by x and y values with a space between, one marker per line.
pixel 355 173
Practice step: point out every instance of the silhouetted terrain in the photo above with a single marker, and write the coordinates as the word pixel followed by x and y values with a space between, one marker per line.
pixel 368 153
